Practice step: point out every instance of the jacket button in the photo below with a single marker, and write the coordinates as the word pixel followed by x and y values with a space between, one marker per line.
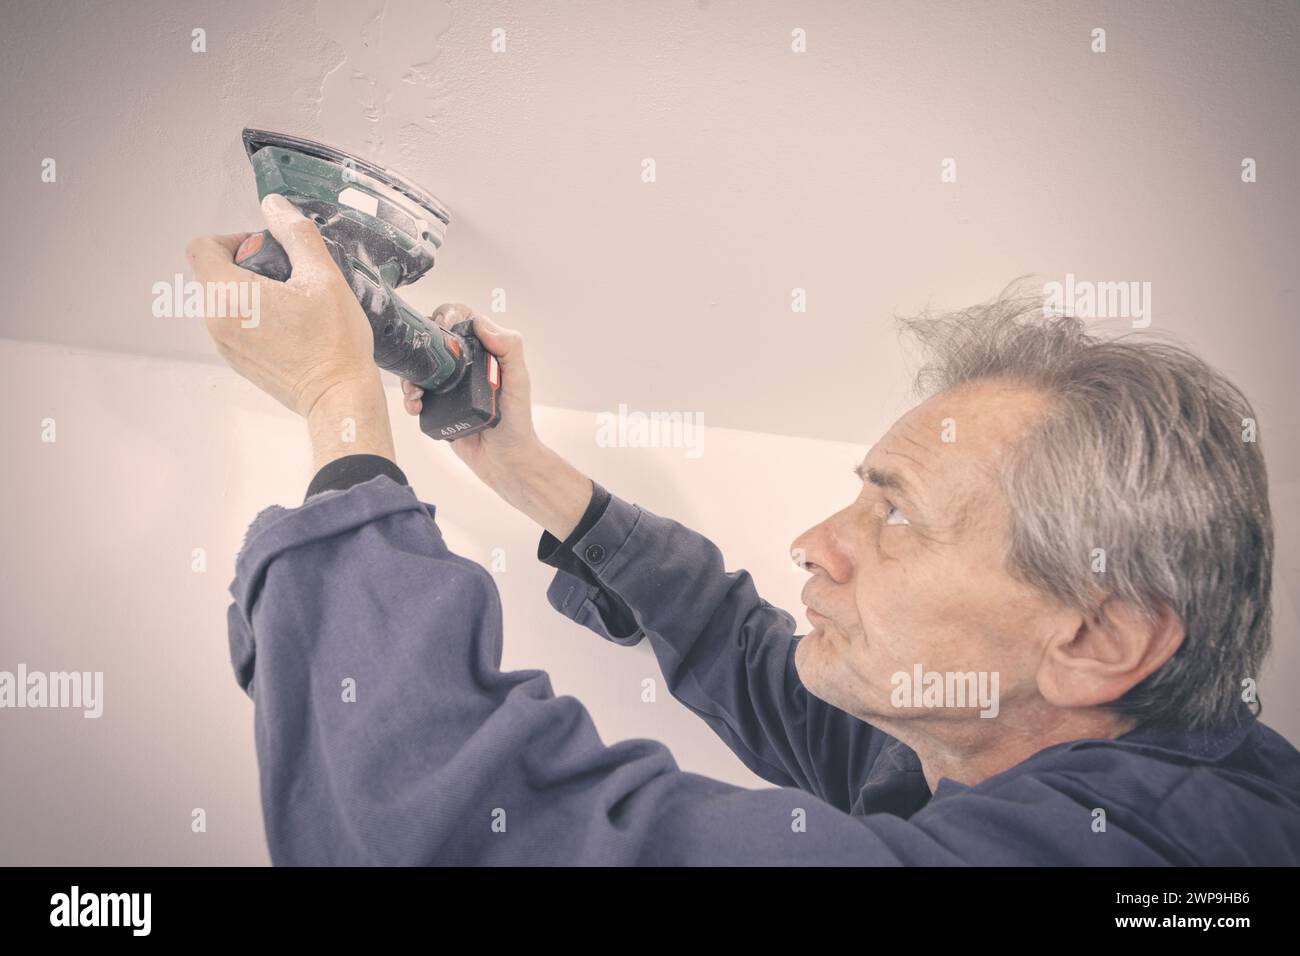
pixel 595 553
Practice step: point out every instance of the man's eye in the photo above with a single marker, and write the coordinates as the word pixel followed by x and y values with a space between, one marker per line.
pixel 894 516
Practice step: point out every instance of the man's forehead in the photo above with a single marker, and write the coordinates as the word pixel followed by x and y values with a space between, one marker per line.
pixel 949 447
pixel 905 461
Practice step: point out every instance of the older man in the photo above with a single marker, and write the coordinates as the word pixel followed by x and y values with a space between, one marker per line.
pixel 1033 628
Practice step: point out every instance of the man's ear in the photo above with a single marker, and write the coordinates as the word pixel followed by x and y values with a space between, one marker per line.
pixel 1107 654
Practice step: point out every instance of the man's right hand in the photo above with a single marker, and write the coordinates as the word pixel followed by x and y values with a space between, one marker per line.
pixel 493 450
pixel 510 458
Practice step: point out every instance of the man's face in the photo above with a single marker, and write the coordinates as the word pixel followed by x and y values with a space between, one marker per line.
pixel 912 572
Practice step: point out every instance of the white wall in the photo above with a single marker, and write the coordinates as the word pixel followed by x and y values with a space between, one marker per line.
pixel 156 457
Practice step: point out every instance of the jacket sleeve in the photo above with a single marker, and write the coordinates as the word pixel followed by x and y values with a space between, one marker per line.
pixel 386 732
pixel 725 653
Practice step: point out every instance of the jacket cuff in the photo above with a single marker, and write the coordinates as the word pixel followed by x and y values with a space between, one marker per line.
pixel 587 556
pixel 342 473
pixel 559 554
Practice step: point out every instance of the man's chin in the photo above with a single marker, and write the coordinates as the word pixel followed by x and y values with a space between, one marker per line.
pixel 826 638
pixel 822 661
pixel 814 658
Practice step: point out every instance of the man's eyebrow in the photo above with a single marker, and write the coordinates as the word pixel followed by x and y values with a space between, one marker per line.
pixel 883 478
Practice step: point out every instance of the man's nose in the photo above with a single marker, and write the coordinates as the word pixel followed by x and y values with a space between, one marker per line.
pixel 821 548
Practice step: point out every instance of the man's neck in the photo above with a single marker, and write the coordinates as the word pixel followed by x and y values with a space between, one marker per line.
pixel 970 751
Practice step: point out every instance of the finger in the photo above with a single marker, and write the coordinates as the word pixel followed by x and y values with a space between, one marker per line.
pixel 450 313
pixel 302 242
pixel 212 259
pixel 232 241
pixel 412 405
pixel 410 389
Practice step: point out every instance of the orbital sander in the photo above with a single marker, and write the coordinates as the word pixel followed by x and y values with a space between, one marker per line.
pixel 383 232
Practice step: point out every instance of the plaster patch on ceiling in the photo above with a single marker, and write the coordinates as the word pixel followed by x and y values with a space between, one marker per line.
pixel 390 77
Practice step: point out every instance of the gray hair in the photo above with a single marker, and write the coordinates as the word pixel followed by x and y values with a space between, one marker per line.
pixel 1142 452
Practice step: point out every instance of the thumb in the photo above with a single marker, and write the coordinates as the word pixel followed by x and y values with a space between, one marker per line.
pixel 300 238
pixel 506 344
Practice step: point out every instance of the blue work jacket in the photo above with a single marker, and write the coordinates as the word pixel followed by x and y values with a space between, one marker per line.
pixel 387 733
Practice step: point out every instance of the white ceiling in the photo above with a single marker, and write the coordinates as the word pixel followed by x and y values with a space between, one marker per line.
pixel 775 170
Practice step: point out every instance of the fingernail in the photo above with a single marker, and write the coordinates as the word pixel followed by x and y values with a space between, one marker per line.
pixel 274 202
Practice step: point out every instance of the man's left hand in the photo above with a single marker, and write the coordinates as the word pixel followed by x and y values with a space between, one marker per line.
pixel 310 337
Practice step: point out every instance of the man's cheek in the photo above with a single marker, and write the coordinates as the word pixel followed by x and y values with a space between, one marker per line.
pixel 878 606
pixel 892 621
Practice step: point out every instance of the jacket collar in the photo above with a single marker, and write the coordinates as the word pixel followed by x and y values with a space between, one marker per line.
pixel 1210 744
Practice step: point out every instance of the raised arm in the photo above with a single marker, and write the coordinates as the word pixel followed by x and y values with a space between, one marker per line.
pixel 725 652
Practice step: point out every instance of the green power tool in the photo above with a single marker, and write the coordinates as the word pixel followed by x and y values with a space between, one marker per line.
pixel 383 232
